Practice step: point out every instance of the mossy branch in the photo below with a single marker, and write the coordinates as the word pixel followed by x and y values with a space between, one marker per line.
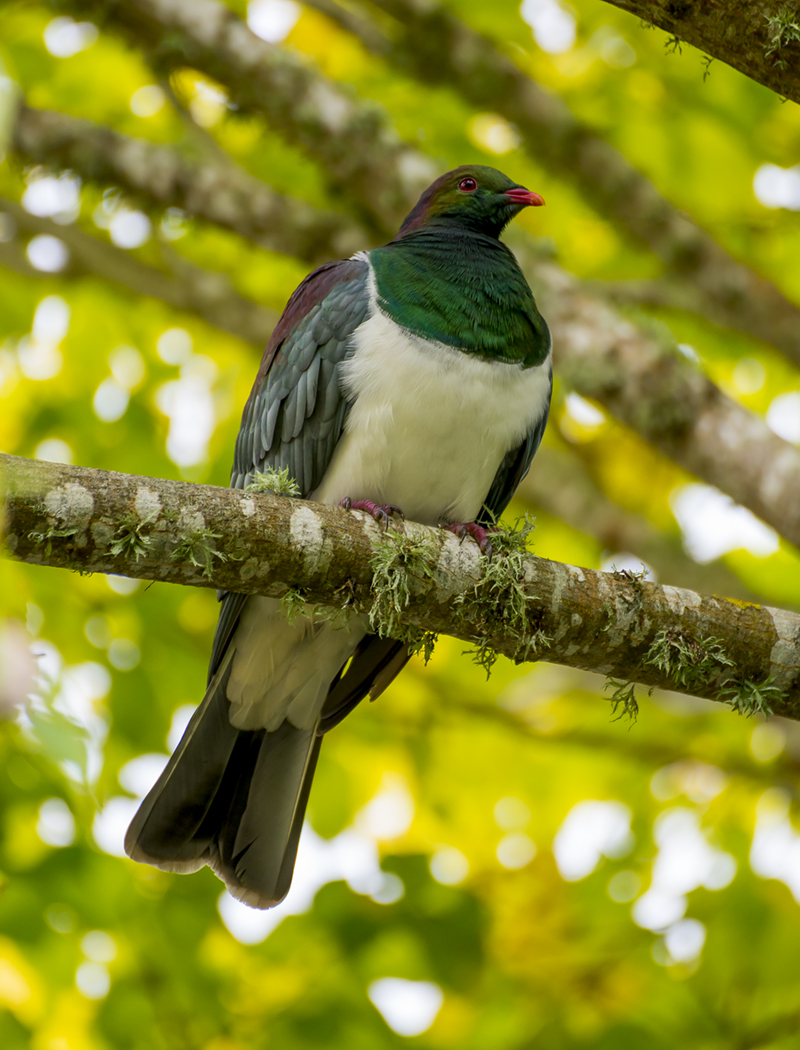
pixel 411 581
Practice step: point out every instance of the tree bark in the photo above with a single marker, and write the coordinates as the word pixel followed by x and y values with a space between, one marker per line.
pixel 613 624
pixel 754 36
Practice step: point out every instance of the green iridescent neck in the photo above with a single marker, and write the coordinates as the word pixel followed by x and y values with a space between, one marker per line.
pixel 461 288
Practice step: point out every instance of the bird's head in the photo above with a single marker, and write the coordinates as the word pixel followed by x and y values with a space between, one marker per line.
pixel 473 196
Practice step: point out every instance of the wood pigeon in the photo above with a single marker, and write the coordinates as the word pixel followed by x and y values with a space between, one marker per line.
pixel 416 376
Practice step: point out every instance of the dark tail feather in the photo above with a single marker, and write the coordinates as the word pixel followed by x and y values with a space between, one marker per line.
pixel 231 798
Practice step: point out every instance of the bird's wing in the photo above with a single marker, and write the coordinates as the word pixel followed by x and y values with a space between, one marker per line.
pixel 513 469
pixel 296 410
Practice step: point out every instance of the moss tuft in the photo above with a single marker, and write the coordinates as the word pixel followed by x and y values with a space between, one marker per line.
pixel 275 482
pixel 196 547
pixel 128 538
pixel 399 559
pixel 499 597
pixel 783 28
pixel 624 696
pixel 687 661
pixel 750 698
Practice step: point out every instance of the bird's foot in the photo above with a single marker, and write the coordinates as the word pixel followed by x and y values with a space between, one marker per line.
pixel 477 532
pixel 381 512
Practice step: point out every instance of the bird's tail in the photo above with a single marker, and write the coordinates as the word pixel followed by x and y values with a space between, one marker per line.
pixel 231 798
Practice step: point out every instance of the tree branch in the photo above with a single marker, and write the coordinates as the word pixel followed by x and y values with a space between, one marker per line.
pixel 221 192
pixel 560 485
pixel 96 521
pixel 756 38
pixel 188 287
pixel 352 140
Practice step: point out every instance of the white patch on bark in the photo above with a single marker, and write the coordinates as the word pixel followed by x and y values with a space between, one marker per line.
pixel 147 504
pixel 785 653
pixel 73 504
pixel 247 506
pixel 306 533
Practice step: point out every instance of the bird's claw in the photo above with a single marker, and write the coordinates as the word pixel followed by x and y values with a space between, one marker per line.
pixel 477 532
pixel 381 512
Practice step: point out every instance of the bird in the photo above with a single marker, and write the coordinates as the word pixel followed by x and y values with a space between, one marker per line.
pixel 413 378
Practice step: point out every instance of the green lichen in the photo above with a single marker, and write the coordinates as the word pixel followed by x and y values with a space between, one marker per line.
pixel 51 534
pixel 196 547
pixel 691 663
pixel 687 661
pixel 783 28
pixel 128 538
pixel 750 697
pixel 294 604
pixel 499 598
pixel 275 482
pixel 398 560
pixel 624 696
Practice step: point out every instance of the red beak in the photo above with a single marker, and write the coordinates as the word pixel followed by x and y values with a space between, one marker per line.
pixel 527 198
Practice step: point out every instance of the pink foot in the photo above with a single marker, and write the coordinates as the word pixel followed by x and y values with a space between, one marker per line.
pixel 381 512
pixel 477 532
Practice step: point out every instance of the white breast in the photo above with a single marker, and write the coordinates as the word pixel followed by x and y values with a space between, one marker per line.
pixel 429 425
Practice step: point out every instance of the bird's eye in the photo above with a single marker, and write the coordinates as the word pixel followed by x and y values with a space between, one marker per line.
pixel 468 185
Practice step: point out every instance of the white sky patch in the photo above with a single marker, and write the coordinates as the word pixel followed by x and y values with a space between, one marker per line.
pixel 685 861
pixel 122 584
pixel 139 775
pixel 55 824
pixel 129 228
pixel 493 133
pixel 390 813
pixel 775 852
pixel 623 561
pixel 777 187
pixel 449 866
pixel 174 346
pixel 553 24
pixel 110 401
pixel 515 850
pixel 408 1007
pixel 783 416
pixel 767 741
pixel 712 524
pixel 124 654
pixel 590 831
pixel 684 940
pixel 699 781
pixel 189 404
pixel 57 197
pixel 127 366
pixel 511 812
pixel 748 376
pixel 48 254
pixel 272 20
pixel 180 720
pixel 112 822
pixel 92 980
pixel 39 354
pixel 99 946
pixel 147 101
pixel 208 104
pixel 583 411
pixel 63 37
